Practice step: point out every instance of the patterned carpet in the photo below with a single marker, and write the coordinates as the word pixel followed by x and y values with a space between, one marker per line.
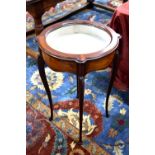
pixel 66 7
pixel 111 3
pixel 44 138
pixel 101 135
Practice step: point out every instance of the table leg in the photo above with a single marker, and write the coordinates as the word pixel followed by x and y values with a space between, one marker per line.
pixel 81 100
pixel 41 67
pixel 114 70
pixel 77 76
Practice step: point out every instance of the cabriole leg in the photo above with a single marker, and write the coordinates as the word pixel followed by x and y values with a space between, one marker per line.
pixel 41 67
pixel 81 101
pixel 114 70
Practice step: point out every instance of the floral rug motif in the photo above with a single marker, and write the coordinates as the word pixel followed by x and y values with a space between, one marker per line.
pixel 44 138
pixel 101 135
pixel 112 3
pixel 60 10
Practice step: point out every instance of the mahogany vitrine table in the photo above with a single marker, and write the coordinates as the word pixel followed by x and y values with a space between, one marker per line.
pixel 78 47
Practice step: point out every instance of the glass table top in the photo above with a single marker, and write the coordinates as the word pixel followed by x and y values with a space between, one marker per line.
pixel 78 39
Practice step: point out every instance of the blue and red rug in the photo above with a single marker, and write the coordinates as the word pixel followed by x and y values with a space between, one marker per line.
pixel 65 8
pixel 101 135
pixel 44 138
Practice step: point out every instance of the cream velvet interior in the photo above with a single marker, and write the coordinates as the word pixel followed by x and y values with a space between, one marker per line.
pixel 78 39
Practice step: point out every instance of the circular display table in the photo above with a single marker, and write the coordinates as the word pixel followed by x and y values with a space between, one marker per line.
pixel 78 47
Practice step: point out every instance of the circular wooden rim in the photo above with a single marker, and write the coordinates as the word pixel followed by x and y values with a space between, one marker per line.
pixel 78 57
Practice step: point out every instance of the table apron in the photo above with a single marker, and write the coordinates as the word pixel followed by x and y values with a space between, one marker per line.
pixel 60 65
